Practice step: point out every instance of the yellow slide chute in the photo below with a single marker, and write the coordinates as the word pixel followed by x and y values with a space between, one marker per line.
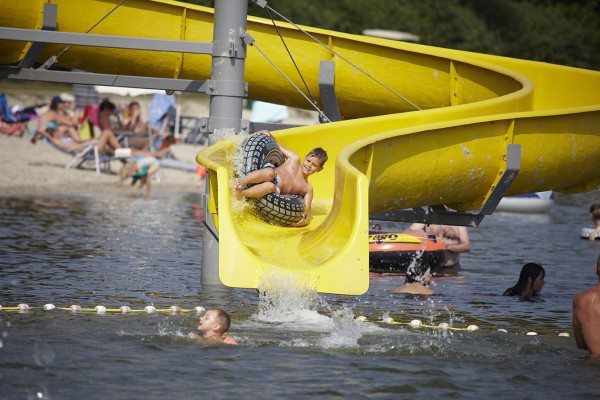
pixel 446 145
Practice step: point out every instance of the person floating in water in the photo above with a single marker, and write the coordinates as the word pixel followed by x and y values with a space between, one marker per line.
pixel 586 317
pixel 456 239
pixel 530 283
pixel 212 325
pixel 291 177
pixel 417 280
pixel 594 232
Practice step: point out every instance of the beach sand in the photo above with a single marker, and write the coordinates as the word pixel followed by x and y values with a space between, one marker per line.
pixel 27 169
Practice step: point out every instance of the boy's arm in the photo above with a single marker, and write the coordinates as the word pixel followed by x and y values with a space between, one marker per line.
pixel 307 203
pixel 464 244
pixel 416 227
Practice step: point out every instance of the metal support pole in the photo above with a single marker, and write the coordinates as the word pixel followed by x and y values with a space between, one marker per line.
pixel 227 90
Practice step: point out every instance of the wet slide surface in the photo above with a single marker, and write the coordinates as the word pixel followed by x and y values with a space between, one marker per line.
pixel 433 129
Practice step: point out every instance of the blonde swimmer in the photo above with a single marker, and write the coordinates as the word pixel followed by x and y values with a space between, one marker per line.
pixel 140 169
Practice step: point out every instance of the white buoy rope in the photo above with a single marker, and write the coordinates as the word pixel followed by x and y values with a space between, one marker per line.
pixel 444 326
pixel 100 309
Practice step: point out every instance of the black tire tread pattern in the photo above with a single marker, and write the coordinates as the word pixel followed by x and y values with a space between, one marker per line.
pixel 274 208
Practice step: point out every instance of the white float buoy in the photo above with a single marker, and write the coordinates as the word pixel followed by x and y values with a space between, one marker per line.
pixel 415 323
pixel 444 326
pixel 361 318
pixel 388 320
pixel 101 309
pixel 175 309
pixel 24 307
pixel 200 309
pixel 49 307
pixel 75 308
pixel 150 309
pixel 565 334
pixel 472 328
pixel 531 333
pixel 502 330
pixel 125 309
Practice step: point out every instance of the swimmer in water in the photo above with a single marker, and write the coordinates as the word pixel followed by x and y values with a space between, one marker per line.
pixel 530 283
pixel 212 325
pixel 417 280
pixel 586 317
pixel 595 215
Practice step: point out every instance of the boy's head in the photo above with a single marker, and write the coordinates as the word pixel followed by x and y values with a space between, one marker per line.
pixel 416 272
pixel 108 106
pixel 214 321
pixel 314 161
pixel 320 155
pixel 127 171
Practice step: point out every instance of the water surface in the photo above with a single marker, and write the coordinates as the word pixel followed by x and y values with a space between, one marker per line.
pixel 111 250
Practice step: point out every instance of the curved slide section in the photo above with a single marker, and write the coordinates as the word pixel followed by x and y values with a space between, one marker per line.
pixel 434 130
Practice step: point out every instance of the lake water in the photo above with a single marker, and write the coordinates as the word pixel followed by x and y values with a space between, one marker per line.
pixel 111 250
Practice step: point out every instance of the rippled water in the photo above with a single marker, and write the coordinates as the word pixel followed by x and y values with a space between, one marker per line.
pixel 110 250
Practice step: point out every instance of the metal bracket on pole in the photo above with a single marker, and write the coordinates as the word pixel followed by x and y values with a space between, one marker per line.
pixel 331 107
pixel 48 24
pixel 437 214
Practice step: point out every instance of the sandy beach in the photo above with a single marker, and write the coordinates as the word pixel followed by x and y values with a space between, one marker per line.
pixel 27 168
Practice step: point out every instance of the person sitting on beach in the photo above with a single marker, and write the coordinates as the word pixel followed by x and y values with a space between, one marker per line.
pixel 456 239
pixel 586 317
pixel 212 325
pixel 135 124
pixel 133 120
pixel 106 142
pixel 530 283
pixel 140 169
pixel 595 215
pixel 291 177
pixel 55 123
pixel 417 280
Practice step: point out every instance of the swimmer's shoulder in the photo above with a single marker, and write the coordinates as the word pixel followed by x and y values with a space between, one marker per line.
pixel 230 340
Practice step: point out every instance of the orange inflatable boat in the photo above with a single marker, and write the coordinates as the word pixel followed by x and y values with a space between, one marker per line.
pixel 393 252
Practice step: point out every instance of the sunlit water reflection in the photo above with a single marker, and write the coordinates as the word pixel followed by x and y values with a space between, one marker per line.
pixel 107 250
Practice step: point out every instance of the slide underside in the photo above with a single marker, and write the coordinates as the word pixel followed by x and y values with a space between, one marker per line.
pixel 432 127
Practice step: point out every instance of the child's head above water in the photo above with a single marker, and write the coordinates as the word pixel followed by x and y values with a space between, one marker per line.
pixel 418 273
pixel 319 154
pixel 214 320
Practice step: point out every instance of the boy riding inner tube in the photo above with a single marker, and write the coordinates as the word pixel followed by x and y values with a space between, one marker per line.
pixel 261 151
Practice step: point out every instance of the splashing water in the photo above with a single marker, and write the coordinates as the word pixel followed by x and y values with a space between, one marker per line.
pixel 235 163
pixel 346 331
pixel 283 299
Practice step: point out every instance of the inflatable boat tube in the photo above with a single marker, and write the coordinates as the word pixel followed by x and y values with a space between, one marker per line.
pixel 533 203
pixel 586 232
pixel 391 252
pixel 278 209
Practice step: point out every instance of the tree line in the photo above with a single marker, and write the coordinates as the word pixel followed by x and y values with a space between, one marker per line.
pixel 565 32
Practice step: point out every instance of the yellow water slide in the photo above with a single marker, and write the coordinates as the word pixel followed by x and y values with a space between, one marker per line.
pixel 421 126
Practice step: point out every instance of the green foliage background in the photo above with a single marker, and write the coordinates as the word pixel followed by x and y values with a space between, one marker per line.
pixel 565 32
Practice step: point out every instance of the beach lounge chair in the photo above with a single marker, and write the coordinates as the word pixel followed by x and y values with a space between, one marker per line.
pixel 88 153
